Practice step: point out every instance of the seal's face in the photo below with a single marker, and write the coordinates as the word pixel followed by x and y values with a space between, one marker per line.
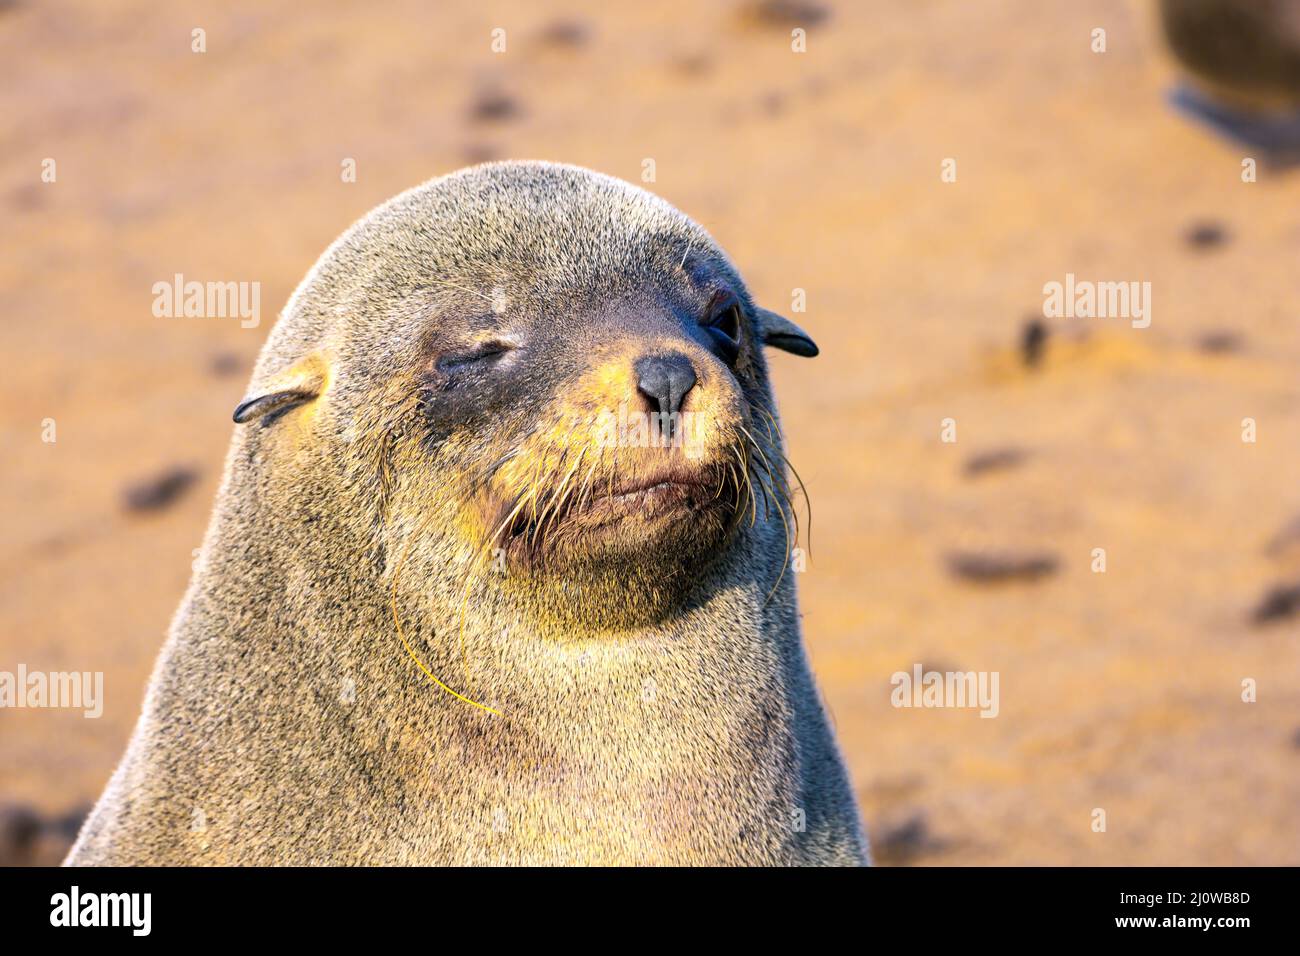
pixel 613 435
pixel 571 379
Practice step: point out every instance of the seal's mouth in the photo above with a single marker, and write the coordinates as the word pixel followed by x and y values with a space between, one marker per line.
pixel 633 507
pixel 656 496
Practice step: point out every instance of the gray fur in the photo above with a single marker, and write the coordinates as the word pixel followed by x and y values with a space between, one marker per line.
pixel 286 724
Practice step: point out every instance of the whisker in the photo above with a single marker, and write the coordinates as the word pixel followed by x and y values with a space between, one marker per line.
pixel 785 558
pixel 802 488
pixel 780 492
pixel 559 497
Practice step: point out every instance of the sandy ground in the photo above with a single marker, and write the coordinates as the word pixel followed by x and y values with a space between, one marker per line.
pixel 818 171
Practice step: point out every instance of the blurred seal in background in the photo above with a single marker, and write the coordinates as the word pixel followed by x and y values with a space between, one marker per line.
pixel 1241 60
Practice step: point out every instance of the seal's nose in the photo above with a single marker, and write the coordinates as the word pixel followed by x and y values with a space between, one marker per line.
pixel 665 380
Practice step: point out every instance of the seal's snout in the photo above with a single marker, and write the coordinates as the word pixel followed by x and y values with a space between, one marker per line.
pixel 640 453
pixel 664 380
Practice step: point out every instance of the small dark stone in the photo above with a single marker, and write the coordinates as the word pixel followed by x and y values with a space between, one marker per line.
pixel 1033 342
pixel 153 494
pixel 492 105
pixel 905 842
pixel 567 34
pixel 1219 342
pixel 692 64
pixel 27 197
pixel 1206 235
pixel 998 459
pixel 1280 602
pixel 19 827
pixel 223 364
pixel 784 14
pixel 57 543
pixel 985 568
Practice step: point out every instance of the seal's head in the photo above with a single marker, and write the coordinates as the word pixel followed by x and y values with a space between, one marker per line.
pixel 531 371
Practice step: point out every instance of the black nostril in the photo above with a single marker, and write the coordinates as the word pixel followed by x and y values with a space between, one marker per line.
pixel 665 380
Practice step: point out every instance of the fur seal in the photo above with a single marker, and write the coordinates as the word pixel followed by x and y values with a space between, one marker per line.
pixel 451 607
pixel 1242 61
pixel 1245 51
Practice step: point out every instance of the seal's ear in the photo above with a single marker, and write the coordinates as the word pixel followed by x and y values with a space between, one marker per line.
pixel 301 382
pixel 780 333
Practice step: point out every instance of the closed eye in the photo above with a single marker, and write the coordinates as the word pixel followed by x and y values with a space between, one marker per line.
pixel 483 352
